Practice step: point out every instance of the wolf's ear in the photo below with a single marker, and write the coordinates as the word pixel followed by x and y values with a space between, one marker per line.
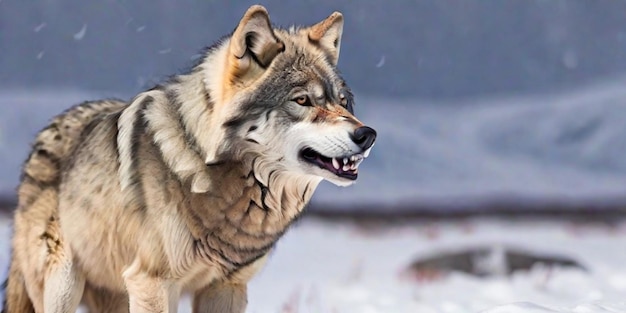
pixel 254 41
pixel 327 34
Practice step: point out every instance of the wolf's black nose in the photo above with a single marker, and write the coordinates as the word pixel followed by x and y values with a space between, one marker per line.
pixel 364 137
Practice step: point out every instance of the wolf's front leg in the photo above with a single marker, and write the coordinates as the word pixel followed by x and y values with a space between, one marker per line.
pixel 148 293
pixel 101 300
pixel 64 283
pixel 221 297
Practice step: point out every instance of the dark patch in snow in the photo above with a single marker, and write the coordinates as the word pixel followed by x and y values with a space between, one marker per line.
pixel 486 261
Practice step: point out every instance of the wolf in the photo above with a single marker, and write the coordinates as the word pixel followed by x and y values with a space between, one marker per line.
pixel 186 188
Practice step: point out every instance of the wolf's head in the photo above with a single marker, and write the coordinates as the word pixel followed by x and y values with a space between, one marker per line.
pixel 278 95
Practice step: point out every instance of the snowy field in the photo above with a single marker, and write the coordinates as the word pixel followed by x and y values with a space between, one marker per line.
pixel 322 267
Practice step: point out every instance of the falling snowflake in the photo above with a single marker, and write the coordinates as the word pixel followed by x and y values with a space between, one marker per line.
pixel 165 51
pixel 39 27
pixel 81 33
pixel 381 62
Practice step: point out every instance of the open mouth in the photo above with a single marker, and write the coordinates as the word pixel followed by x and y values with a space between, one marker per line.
pixel 345 166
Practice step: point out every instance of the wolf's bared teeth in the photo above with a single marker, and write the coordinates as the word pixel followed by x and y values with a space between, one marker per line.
pixel 367 152
pixel 346 168
pixel 335 163
pixel 345 160
pixel 357 163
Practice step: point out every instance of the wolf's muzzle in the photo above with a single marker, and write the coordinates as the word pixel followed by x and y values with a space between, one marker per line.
pixel 364 137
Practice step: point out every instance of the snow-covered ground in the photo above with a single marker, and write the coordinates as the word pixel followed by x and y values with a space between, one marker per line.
pixel 322 267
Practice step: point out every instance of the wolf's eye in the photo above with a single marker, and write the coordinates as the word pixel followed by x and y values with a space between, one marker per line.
pixel 347 101
pixel 342 98
pixel 303 100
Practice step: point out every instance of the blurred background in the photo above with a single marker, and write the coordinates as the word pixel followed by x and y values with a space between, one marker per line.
pixel 480 105
pixel 484 108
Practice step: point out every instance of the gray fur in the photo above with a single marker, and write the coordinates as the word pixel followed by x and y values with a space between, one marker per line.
pixel 187 187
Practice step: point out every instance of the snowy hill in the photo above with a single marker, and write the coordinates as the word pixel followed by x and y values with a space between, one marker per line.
pixel 558 149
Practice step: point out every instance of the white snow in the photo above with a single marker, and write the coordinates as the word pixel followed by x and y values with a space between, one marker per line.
pixel 321 267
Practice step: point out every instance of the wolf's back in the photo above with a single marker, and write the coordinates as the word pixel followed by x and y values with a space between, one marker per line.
pixel 37 192
pixel 55 143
